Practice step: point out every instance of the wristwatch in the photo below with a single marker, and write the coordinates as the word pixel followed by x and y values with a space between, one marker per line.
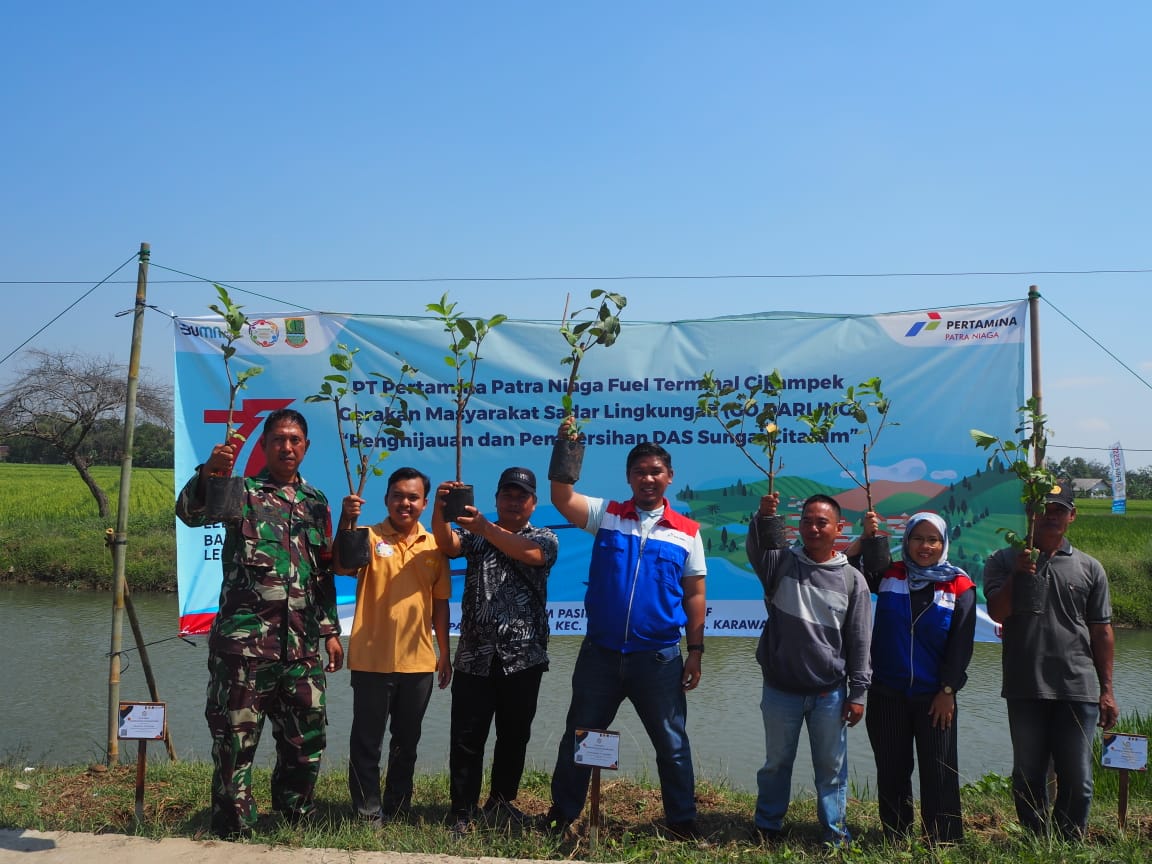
pixel 699 647
pixel 947 690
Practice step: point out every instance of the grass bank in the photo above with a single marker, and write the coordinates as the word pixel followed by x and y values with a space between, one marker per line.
pixel 52 534
pixel 176 800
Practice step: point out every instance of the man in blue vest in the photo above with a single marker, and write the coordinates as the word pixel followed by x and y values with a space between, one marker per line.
pixel 645 585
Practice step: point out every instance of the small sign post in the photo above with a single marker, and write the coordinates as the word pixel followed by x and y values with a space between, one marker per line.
pixel 1124 753
pixel 142 721
pixel 597 748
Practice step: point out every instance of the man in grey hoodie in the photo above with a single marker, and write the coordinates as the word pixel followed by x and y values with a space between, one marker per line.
pixel 814 653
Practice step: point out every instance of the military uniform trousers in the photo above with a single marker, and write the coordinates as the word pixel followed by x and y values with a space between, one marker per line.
pixel 241 692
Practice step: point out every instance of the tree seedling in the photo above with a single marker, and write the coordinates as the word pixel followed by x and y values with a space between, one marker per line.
pixel 389 421
pixel 465 336
pixel 1024 457
pixel 235 322
pixel 602 327
pixel 867 405
pixel 732 409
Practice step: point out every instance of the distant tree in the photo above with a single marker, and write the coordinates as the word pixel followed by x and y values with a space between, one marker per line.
pixel 154 446
pixel 105 443
pixel 64 399
pixel 22 448
pixel 724 536
pixel 1077 468
pixel 1139 482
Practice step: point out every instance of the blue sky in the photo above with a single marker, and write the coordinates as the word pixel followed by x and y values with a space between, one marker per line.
pixel 371 140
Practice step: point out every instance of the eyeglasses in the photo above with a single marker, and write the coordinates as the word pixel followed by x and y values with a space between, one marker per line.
pixel 925 541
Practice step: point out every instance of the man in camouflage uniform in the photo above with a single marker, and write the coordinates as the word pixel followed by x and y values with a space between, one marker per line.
pixel 277 600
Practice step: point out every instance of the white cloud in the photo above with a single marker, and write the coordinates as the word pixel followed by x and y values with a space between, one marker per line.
pixel 944 476
pixel 904 471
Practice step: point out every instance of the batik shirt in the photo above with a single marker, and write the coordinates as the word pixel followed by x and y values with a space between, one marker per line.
pixel 503 611
pixel 277 597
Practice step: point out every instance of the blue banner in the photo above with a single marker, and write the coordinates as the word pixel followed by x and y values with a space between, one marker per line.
pixel 943 371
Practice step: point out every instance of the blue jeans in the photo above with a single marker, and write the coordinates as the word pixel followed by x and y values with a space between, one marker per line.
pixel 1049 729
pixel 653 681
pixel 828 738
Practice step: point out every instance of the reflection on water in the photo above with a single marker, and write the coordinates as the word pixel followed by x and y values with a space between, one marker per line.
pixel 56 699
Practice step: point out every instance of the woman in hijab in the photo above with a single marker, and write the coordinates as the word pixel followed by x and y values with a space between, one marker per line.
pixel 921 644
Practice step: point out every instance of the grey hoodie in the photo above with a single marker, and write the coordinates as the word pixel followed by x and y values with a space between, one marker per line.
pixel 819 625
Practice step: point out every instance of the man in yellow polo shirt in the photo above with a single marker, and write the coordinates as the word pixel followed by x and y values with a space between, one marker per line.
pixel 401 597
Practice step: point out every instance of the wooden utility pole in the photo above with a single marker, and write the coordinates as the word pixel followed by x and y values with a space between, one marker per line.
pixel 120 538
pixel 1034 331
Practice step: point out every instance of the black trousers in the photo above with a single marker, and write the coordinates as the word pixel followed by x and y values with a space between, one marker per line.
pixel 897 727
pixel 476 700
pixel 397 700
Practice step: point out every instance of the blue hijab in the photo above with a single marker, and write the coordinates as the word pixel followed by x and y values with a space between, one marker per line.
pixel 920 577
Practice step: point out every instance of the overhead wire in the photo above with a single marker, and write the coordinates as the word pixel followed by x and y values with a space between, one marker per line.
pixel 67 309
pixel 1098 344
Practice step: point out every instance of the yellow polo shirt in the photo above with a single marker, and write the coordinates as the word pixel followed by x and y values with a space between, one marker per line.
pixel 392 628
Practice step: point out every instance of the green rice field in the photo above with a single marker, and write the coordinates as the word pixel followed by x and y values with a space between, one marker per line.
pixel 51 531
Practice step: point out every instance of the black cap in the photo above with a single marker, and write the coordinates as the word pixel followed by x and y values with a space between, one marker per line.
pixel 521 477
pixel 1061 493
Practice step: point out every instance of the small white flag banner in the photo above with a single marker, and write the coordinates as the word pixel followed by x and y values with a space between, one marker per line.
pixel 1119 488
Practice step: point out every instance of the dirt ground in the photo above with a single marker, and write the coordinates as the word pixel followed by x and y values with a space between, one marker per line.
pixel 56 847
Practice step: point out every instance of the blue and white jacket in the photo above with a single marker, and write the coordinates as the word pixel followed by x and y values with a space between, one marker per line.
pixel 635 597
pixel 911 651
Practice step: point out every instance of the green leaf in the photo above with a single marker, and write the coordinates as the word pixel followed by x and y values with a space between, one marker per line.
pixel 982 439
